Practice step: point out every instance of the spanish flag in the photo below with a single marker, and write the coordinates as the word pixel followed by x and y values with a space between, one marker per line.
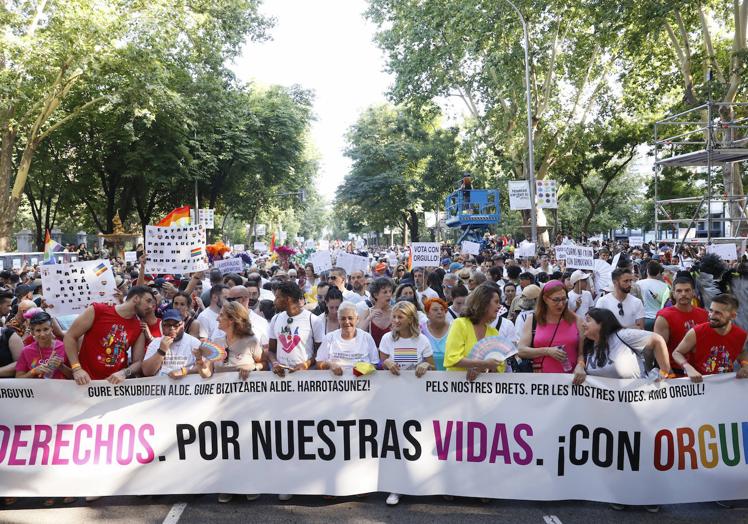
pixel 179 217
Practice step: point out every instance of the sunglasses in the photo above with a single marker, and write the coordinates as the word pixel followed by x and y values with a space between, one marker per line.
pixel 620 309
pixel 558 300
pixel 232 299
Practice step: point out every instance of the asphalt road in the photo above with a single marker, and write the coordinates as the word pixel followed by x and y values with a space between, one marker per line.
pixel 205 509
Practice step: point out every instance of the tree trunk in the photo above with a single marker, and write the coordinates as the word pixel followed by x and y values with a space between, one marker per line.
pixel 413 225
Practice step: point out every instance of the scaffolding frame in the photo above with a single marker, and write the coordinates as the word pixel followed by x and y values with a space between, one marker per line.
pixel 701 138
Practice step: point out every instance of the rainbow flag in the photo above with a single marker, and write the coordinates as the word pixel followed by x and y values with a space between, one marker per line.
pixel 178 217
pixel 272 244
pixel 100 269
pixel 50 248
pixel 196 252
pixel 406 355
pixel 410 259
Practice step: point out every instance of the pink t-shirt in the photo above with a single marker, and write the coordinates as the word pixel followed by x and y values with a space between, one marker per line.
pixel 566 335
pixel 32 356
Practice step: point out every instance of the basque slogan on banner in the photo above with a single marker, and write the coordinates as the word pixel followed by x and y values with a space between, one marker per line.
pixel 512 436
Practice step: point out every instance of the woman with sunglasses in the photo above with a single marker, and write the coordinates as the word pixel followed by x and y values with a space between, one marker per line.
pixel 552 337
pixel 399 273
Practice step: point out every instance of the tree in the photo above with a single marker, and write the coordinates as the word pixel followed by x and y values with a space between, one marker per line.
pixel 106 53
pixel 402 164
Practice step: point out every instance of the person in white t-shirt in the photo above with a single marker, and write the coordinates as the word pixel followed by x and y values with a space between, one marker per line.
pixel 343 348
pixel 292 341
pixel 172 353
pixel 580 299
pixel 628 309
pixel 405 347
pixel 654 293
pixel 208 319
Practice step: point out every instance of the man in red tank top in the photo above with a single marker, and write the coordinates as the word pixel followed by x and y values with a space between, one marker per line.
pixel 108 332
pixel 714 347
pixel 672 323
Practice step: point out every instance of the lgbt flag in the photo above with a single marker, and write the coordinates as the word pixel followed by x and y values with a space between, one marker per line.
pixel 272 244
pixel 178 217
pixel 50 248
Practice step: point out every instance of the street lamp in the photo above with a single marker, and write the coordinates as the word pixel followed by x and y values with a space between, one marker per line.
pixel 530 147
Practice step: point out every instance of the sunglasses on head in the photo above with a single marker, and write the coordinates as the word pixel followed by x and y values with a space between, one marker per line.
pixel 232 299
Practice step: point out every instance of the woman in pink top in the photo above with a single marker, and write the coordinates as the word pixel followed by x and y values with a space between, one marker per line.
pixel 552 336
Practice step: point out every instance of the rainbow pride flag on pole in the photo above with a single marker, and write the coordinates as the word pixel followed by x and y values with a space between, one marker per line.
pixel 50 248
pixel 178 217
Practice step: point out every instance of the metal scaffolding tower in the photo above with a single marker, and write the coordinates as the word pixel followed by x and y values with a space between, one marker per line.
pixel 707 139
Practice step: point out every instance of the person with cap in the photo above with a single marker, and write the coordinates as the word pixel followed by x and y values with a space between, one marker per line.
pixel 454 267
pixel 553 337
pixel 524 307
pixel 17 322
pixel 173 352
pixel 580 299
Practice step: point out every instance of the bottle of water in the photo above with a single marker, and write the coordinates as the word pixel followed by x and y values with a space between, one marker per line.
pixel 566 364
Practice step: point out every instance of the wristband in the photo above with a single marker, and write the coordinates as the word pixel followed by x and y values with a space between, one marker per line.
pixel 581 362
pixel 75 366
pixel 184 371
pixel 664 373
pixel 161 352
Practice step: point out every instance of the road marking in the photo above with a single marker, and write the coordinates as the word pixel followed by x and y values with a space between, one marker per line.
pixel 176 512
pixel 552 519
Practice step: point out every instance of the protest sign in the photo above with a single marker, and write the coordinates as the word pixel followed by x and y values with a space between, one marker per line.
pixel 636 241
pixel 525 250
pixel 131 256
pixel 470 248
pixel 229 265
pixel 206 218
pixel 70 288
pixel 261 230
pixel 580 257
pixel 238 248
pixel 260 247
pixel 545 194
pixel 519 194
pixel 560 252
pixel 352 263
pixel 34 261
pixel 310 243
pixel 321 260
pixel 178 249
pixel 324 245
pixel 724 251
pixel 17 263
pixel 425 254
pixel 510 436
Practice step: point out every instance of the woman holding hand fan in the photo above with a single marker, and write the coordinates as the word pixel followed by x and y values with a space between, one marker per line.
pixel 242 348
pixel 481 309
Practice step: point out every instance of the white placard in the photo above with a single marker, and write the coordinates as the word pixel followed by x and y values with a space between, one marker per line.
pixel 352 263
pixel 70 288
pixel 17 263
pixel 614 262
pixel 310 243
pixel 324 245
pixel 580 257
pixel 260 230
pixel 519 194
pixel 525 250
pixel 34 261
pixel 560 252
pixel 426 254
pixel 500 441
pixel 74 258
pixel 206 218
pixel 131 256
pixel 545 194
pixel 239 248
pixel 282 236
pixel 470 248
pixel 230 265
pixel 725 251
pixel 178 249
pixel 321 260
pixel 636 241
pixel 260 247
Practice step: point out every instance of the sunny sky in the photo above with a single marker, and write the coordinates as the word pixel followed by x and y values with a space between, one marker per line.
pixel 326 46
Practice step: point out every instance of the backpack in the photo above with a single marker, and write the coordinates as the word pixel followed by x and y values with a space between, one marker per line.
pixel 522 365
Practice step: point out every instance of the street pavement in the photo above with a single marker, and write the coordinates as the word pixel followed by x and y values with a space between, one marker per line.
pixel 201 509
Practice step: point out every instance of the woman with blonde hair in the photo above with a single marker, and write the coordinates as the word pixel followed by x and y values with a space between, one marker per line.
pixel 243 349
pixel 552 337
pixel 405 348
pixel 480 311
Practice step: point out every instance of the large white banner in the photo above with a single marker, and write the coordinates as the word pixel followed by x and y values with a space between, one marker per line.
pixel 519 195
pixel 178 249
pixel 513 436
pixel 70 288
